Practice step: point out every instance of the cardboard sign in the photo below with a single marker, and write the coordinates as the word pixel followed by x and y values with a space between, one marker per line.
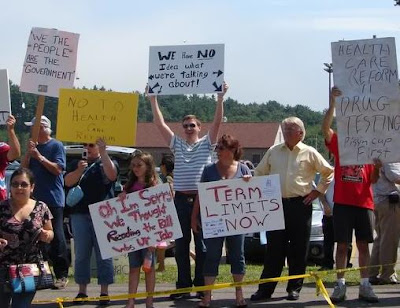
pixel 186 69
pixel 144 218
pixel 231 207
pixel 5 100
pixel 86 115
pixel 368 113
pixel 50 61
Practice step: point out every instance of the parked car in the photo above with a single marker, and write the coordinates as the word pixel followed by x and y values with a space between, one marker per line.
pixel 254 251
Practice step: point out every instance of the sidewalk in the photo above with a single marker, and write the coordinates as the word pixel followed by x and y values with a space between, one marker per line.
pixel 389 296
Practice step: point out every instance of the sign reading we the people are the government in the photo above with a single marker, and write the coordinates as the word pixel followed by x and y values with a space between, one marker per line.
pixel 368 112
pixel 230 207
pixel 86 115
pixel 142 219
pixel 50 61
pixel 186 69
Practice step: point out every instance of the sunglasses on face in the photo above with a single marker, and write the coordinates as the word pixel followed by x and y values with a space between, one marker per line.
pixel 90 145
pixel 191 125
pixel 17 184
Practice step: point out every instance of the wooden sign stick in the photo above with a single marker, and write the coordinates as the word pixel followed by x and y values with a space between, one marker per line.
pixel 39 113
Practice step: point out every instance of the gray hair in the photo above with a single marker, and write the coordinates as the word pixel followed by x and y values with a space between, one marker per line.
pixel 296 121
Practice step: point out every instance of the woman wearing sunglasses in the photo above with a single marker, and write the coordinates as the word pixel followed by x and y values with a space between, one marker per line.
pixel 21 220
pixel 227 167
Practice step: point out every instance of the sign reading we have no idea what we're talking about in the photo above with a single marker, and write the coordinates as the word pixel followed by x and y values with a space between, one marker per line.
pixel 186 69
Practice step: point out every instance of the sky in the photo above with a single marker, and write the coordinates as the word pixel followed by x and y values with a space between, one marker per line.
pixel 274 49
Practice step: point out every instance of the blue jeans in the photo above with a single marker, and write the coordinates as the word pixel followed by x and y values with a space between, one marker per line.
pixel 184 208
pixel 57 249
pixel 235 246
pixel 18 300
pixel 84 241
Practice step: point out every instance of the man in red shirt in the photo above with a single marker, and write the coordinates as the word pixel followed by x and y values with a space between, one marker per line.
pixel 8 152
pixel 353 210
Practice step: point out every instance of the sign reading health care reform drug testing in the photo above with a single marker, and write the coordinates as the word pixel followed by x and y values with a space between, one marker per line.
pixel 230 207
pixel 186 69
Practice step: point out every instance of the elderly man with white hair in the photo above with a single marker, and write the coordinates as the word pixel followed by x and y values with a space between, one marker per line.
pixel 297 164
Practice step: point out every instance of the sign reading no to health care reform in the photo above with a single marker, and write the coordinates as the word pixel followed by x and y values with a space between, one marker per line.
pixel 50 61
pixel 230 207
pixel 5 101
pixel 186 69
pixel 144 218
pixel 86 115
pixel 368 112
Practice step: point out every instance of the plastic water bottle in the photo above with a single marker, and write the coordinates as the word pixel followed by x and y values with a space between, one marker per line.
pixel 147 262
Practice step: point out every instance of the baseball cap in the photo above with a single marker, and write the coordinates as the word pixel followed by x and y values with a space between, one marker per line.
pixel 44 121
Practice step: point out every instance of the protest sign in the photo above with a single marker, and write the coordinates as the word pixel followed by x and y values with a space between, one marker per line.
pixel 368 112
pixel 230 207
pixel 142 219
pixel 5 101
pixel 50 61
pixel 186 69
pixel 85 115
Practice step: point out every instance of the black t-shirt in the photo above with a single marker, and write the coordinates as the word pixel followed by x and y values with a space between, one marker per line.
pixel 95 185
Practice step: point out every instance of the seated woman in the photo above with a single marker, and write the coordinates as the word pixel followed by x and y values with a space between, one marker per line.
pixel 227 167
pixel 23 222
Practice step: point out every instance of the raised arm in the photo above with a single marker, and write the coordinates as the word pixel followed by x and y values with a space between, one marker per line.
pixel 328 118
pixel 15 148
pixel 158 120
pixel 110 169
pixel 219 113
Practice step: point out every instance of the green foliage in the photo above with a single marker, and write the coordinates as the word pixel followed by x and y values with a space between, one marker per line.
pixel 175 107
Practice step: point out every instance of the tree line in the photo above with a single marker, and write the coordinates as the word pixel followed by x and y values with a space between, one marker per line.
pixel 174 107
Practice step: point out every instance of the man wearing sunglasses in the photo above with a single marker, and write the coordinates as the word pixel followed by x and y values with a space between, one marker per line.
pixel 46 159
pixel 8 152
pixel 191 153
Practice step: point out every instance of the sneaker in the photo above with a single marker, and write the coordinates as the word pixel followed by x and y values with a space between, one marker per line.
pixel 61 283
pixel 392 280
pixel 367 294
pixel 179 296
pixel 339 293
pixel 374 280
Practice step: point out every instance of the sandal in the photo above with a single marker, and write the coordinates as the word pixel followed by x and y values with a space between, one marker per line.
pixel 241 304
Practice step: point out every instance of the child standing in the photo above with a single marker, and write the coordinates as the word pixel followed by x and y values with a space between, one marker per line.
pixel 141 176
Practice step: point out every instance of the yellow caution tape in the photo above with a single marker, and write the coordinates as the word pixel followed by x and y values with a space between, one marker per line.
pixel 320 288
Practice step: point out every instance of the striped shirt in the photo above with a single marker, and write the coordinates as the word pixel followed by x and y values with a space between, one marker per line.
pixel 190 160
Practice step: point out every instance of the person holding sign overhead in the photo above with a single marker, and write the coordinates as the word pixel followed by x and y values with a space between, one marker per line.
pixel 8 152
pixel 227 167
pixel 354 209
pixel 297 164
pixel 46 159
pixel 96 177
pixel 192 153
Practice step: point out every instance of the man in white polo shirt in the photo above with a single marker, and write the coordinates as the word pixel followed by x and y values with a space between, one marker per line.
pixel 191 155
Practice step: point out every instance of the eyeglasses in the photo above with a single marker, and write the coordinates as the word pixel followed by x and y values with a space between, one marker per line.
pixel 191 125
pixel 18 184
pixel 90 145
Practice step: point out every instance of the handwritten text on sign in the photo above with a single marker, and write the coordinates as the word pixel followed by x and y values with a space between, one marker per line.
pixel 230 207
pixel 368 113
pixel 186 69
pixel 5 101
pixel 84 116
pixel 50 61
pixel 145 218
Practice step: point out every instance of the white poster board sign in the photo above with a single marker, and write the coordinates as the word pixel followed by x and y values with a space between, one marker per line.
pixel 186 69
pixel 5 100
pixel 230 207
pixel 50 61
pixel 144 218
pixel 368 112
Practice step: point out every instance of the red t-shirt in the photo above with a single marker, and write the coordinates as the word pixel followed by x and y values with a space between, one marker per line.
pixel 4 148
pixel 352 183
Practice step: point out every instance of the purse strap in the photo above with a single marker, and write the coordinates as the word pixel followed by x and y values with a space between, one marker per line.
pixel 86 170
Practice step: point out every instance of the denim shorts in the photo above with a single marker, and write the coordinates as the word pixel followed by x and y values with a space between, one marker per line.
pixel 136 258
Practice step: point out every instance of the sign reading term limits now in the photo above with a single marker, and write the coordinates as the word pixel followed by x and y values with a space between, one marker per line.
pixel 186 69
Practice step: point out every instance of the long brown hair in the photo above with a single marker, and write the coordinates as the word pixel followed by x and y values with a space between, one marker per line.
pixel 150 178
